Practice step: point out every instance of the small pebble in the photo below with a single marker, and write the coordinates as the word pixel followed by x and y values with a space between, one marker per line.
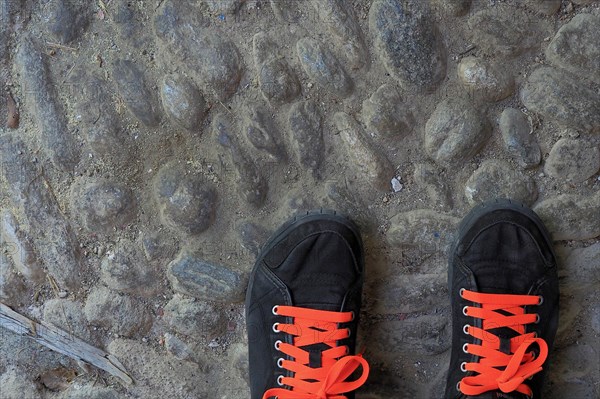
pixel 396 185
pixel 63 294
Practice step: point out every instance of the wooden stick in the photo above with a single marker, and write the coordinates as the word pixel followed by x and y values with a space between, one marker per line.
pixel 62 342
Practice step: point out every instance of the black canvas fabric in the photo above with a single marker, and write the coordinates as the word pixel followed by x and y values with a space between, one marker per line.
pixel 502 247
pixel 316 261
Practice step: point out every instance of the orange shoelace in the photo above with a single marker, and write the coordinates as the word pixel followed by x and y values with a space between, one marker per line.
pixel 496 369
pixel 310 327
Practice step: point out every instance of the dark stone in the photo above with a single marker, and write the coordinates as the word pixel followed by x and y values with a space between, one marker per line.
pixel 306 126
pixel 408 43
pixel 251 182
pixel 260 131
pixel 56 246
pixel 187 201
pixel 133 88
pixel 47 112
pixel 455 132
pixel 205 50
pixel 68 19
pixel 183 101
pixel 321 66
pixel 518 140
pixel 277 81
pixel 560 97
pixel 103 205
pixel 195 277
pixel 343 24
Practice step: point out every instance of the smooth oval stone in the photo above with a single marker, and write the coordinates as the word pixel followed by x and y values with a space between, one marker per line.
pixel 484 80
pixel 191 317
pixel 306 126
pixel 570 216
pixel 321 66
pixel 518 141
pixel 183 101
pixel 386 114
pixel 573 160
pixel 261 132
pixel 68 19
pixel 408 43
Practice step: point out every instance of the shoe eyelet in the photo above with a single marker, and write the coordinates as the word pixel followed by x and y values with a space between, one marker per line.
pixel 280 362
pixel 280 380
pixel 274 310
pixel 465 347
pixel 535 334
pixel 466 329
pixel 349 332
pixel 275 329
pixel 463 367
pixel 352 319
pixel 541 300
pixel 537 318
pixel 465 310
pixel 277 344
pixel 458 386
pixel 461 292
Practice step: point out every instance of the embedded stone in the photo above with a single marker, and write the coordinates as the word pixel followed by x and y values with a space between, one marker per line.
pixel 408 43
pixel 224 6
pixel 276 79
pixel 68 316
pixel 43 104
pixel 517 138
pixel 203 280
pixel 485 80
pixel 260 130
pixel 13 291
pixel 321 66
pixel 573 160
pixel 437 187
pixel 253 236
pixel 251 183
pixel 187 35
pixel 371 165
pixel 135 91
pixel 125 270
pixel 305 124
pixel 121 314
pixel 194 318
pixel 570 216
pixel 290 11
pixel 576 47
pixel 422 226
pixel 18 245
pixel 183 101
pixel 454 8
pixel 103 205
pixel 498 179
pixel 386 114
pixel 343 25
pixel 455 132
pixel 558 96
pixel 68 19
pixel 504 30
pixel 187 201
pixel 546 7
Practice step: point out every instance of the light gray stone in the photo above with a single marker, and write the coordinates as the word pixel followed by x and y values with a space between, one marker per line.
pixel 386 114
pixel 13 291
pixel 517 138
pixel 321 66
pixel 437 187
pixel 13 385
pixel 183 101
pixel 123 315
pixel 576 47
pixel 455 132
pixel 558 96
pixel 574 160
pixel 19 247
pixel 570 216
pixel 407 41
pixel 363 157
pixel 484 80
pixel 498 179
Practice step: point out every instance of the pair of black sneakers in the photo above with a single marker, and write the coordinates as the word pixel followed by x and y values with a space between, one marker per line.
pixel 304 299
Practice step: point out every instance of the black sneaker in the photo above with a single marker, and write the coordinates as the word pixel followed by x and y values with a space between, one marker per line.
pixel 302 309
pixel 504 294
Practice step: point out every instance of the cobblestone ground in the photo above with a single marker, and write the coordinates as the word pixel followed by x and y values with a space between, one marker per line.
pixel 148 148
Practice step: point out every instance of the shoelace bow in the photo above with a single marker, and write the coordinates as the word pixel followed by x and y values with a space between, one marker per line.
pixel 310 327
pixel 496 369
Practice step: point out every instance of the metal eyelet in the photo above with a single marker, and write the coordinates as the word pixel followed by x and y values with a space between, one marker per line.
pixel 274 310
pixel 537 318
pixel 352 319
pixel 461 292
pixel 463 367
pixel 275 329
pixel 535 334
pixel 280 362
pixel 458 386
pixel 465 311
pixel 349 332
pixel 464 348
pixel 280 380
pixel 541 300
pixel 466 329
pixel 277 344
